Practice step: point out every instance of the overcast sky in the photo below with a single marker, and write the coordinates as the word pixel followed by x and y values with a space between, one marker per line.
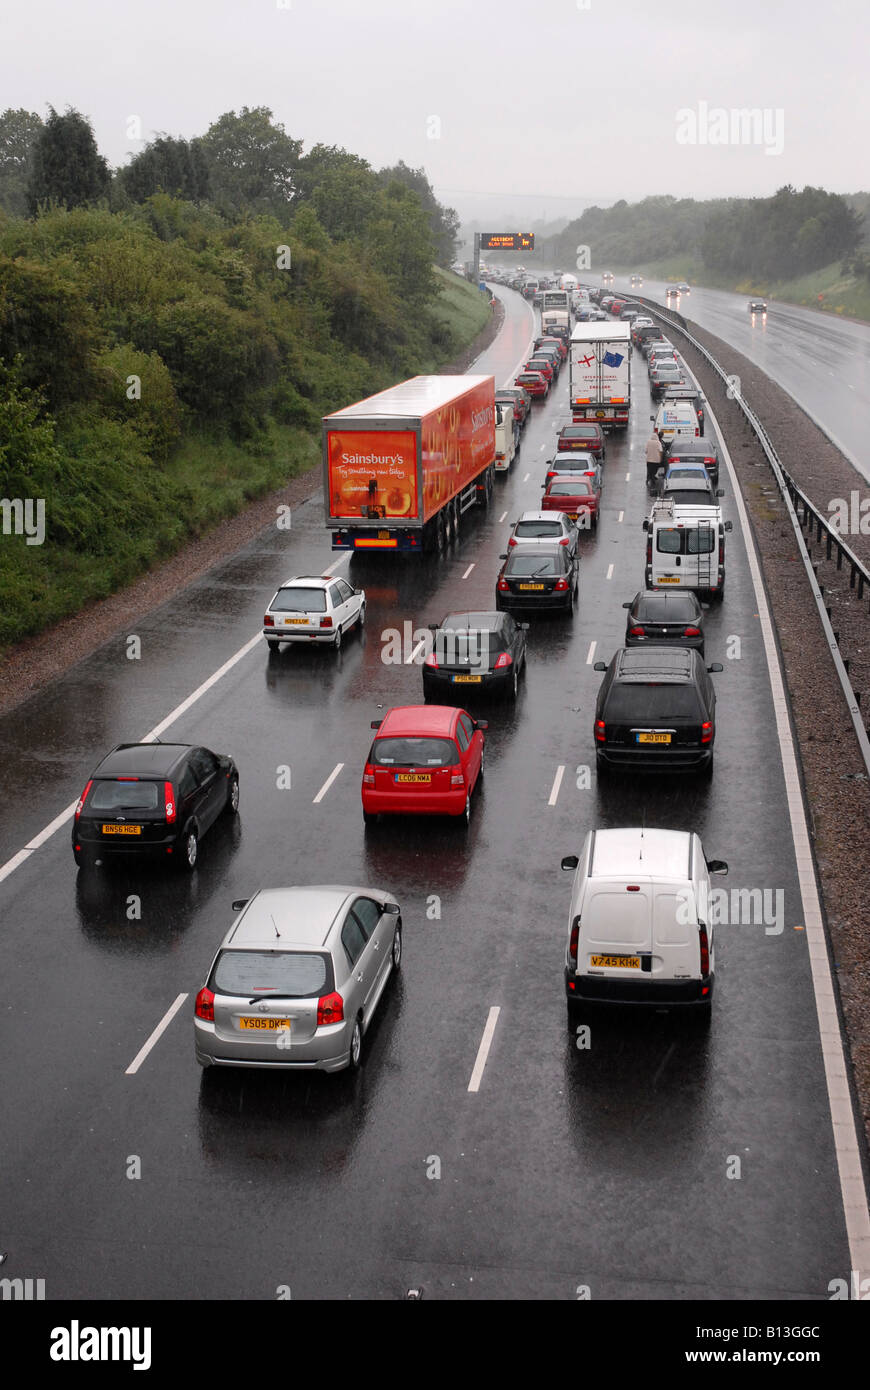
pixel 532 109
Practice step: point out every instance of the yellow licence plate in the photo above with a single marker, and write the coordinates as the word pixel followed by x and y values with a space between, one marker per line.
pixel 264 1025
pixel 122 830
pixel 668 579
pixel 295 622
pixel 530 586
pixel 467 680
pixel 413 777
pixel 383 535
pixel 653 738
pixel 615 962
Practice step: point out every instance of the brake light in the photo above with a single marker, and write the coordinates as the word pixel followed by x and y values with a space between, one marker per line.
pixel 561 585
pixel 512 541
pixel 637 632
pixel 204 1008
pixel 330 1009
pixel 565 541
pixel 169 801
pixel 600 732
pixel 431 660
pixel 326 622
pixel 721 550
pixel 456 777
pixel 83 798
pixel 573 943
pixel 706 731
pixel 503 586
pixel 692 632
pixel 504 660
pixel 268 621
pixel 705 950
pixel 369 775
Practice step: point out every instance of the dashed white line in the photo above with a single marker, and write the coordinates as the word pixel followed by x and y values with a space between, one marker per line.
pixel 609 574
pixel 628 477
pixel 502 518
pixel 328 783
pixel 526 478
pixel 590 655
pixel 557 782
pixel 470 568
pixel 155 1036
pixel 412 656
pixel 621 515
pixel 483 1050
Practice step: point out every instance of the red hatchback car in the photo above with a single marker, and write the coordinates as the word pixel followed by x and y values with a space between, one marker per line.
pixel 425 760
pixel 542 365
pixel 579 497
pixel 533 382
pixel 582 435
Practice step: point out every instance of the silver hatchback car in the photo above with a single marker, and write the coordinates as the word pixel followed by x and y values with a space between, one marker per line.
pixel 297 978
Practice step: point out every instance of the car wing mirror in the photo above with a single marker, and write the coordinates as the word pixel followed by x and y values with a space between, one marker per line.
pixel 376 723
pixel 391 909
pixel 720 492
pixel 481 723
pixel 600 666
pixel 502 557
pixel 717 866
pixel 571 861
pixel 627 604
pixel 646 523
pixel 729 526
pixel 716 666
pixel 239 903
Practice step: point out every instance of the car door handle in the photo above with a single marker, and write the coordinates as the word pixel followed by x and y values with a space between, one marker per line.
pixel 376 945
pixel 360 977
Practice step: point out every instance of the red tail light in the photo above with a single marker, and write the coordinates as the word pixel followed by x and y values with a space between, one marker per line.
pixel 83 798
pixel 512 541
pixel 637 632
pixel 431 660
pixel 330 1009
pixel 692 632
pixel 369 775
pixel 706 731
pixel 561 585
pixel 326 622
pixel 600 731
pixel 705 951
pixel 565 541
pixel 169 802
pixel 722 550
pixel 268 621
pixel 503 586
pixel 205 1005
pixel 504 660
pixel 456 777
pixel 572 944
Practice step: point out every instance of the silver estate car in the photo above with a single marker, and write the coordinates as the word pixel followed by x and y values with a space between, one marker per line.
pixel 297 978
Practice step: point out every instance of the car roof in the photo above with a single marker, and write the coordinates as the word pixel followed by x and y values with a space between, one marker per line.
pixel 580 425
pixel 419 721
pixel 639 852
pixel 310 580
pixel 480 622
pixel 142 759
pixel 538 516
pixel 665 598
pixel 573 456
pixel 641 664
pixel 690 448
pixel 303 917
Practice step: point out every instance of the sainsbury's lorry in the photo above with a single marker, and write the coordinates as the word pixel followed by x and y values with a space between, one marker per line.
pixel 600 371
pixel 401 467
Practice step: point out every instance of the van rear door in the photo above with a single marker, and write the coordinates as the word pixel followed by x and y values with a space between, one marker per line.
pixel 615 937
pixel 676 951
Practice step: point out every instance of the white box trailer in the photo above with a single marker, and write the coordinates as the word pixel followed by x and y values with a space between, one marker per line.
pixel 600 373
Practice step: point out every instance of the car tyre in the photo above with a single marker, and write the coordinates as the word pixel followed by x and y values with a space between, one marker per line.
pixel 273 643
pixel 707 770
pixel 396 952
pixel 355 1050
pixel 336 641
pixel 361 617
pixel 466 814
pixel 513 689
pixel 233 796
pixel 85 859
pixel 190 851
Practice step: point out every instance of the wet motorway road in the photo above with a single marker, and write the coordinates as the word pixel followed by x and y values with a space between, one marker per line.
pixel 822 361
pixel 607 1168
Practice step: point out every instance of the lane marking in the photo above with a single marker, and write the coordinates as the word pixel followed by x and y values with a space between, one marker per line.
pixel 328 783
pixel 621 515
pixel 483 1050
pixel 501 518
pixel 590 655
pixel 628 477
pixel 156 1035
pixel 335 564
pixel 39 840
pixel 12 864
pixel 557 782
pixel 470 568
pixel 526 478
pixel 609 574
pixel 419 647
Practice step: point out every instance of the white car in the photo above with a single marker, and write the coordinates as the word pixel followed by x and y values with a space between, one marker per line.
pixel 544 528
pixel 313 608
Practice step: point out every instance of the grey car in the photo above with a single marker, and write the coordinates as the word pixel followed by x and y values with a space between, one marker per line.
pixel 297 978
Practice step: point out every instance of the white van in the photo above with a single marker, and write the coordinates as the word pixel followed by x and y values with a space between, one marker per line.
pixel 676 419
pixel 506 446
pixel 635 930
pixel 685 548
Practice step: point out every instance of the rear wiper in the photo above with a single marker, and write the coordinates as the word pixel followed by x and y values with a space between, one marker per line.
pixel 538 573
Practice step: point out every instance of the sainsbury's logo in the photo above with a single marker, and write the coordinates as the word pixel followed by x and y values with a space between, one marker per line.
pixel 372 460
pixel 479 418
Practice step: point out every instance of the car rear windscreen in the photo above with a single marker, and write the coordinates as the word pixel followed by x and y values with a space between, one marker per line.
pixel 414 752
pixel 673 540
pixel 125 796
pixel 639 703
pixel 288 974
pixel 537 530
pixel 531 566
pixel 571 488
pixel 299 601
pixel 471 647
pixel 673 608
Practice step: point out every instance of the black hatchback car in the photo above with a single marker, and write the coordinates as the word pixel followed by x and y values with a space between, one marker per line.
pixel 656 709
pixel 475 653
pixel 696 451
pixel 545 577
pixel 664 618
pixel 155 799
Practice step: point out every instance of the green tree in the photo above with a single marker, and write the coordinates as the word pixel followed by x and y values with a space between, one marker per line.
pixel 18 131
pixel 66 166
pixel 251 161
pixel 29 459
pixel 175 166
pixel 444 221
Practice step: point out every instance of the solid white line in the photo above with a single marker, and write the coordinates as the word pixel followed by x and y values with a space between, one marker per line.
pixel 470 568
pixel 158 1031
pixel 557 782
pixel 12 864
pixel 201 689
pixel 621 515
pixel 483 1050
pixel 609 572
pixel 854 1194
pixel 412 655
pixel 39 840
pixel 328 783
pixel 335 564
pixel 501 518
pixel 590 655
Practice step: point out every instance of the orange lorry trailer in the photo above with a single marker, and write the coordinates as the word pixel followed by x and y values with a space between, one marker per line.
pixel 401 467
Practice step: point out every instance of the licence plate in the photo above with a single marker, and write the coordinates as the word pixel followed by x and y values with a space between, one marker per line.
pixel 413 776
pixel 467 680
pixel 264 1025
pixel 573 515
pixel 295 622
pixel 122 830
pixel 653 738
pixel 530 586
pixel 383 535
pixel 668 579
pixel 615 962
